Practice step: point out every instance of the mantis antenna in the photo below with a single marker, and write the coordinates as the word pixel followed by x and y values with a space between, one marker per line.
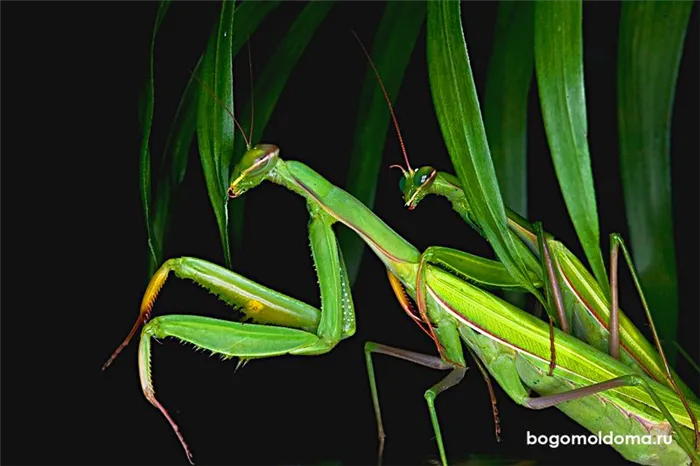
pixel 388 101
pixel 218 100
pixel 252 93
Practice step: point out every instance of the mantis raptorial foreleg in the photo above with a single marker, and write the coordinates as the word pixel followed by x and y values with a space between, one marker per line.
pixel 482 272
pixel 299 329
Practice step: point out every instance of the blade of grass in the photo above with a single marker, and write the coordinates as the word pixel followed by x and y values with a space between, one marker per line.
pixel 457 109
pixel 146 117
pixel 687 357
pixel 505 106
pixel 392 48
pixel 505 103
pixel 650 48
pixel 269 88
pixel 215 127
pixel 559 69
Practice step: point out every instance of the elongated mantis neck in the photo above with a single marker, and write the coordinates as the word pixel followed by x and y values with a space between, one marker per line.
pixel 448 186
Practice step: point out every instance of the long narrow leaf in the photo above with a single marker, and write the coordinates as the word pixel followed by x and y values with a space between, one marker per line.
pixel 174 162
pixel 146 117
pixel 457 108
pixel 215 128
pixel 506 98
pixel 393 45
pixel 270 86
pixel 650 48
pixel 559 69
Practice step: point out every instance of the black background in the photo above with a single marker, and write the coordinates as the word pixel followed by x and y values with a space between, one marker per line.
pixel 75 245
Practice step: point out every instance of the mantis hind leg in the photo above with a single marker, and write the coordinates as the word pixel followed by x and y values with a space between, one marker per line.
pixel 631 380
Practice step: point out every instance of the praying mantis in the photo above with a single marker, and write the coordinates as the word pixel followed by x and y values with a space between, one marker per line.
pixel 581 299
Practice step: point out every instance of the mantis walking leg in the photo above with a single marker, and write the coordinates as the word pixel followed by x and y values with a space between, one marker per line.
pixel 457 372
pixel 433 362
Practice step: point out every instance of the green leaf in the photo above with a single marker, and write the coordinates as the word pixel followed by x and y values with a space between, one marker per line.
pixel 146 118
pixel 559 69
pixel 393 45
pixel 270 86
pixel 506 99
pixel 215 131
pixel 183 127
pixel 457 108
pixel 174 161
pixel 650 49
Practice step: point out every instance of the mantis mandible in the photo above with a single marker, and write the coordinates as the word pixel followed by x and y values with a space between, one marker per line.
pixel 512 345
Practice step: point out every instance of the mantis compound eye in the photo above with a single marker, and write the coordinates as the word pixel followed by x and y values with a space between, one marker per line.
pixel 424 177
pixel 402 183
pixel 259 159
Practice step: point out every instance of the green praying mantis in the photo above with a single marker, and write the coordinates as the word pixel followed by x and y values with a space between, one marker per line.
pixel 591 387
pixel 578 298
pixel 597 390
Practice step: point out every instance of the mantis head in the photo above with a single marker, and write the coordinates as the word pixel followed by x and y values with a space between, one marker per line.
pixel 416 184
pixel 253 168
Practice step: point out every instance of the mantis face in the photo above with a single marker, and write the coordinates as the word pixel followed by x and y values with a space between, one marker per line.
pixel 416 184
pixel 253 168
